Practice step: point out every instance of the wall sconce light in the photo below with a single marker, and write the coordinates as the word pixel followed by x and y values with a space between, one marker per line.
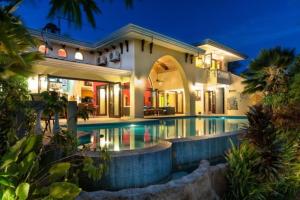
pixel 139 81
pixel 78 55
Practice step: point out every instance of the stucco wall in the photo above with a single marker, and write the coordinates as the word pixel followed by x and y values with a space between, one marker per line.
pixel 127 57
pixel 170 80
pixel 235 90
pixel 140 63
pixel 143 64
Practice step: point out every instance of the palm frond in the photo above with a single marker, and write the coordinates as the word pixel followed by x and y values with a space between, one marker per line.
pixel 72 10
pixel 128 3
pixel 268 71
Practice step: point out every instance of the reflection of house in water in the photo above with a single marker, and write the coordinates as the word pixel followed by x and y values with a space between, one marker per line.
pixel 121 137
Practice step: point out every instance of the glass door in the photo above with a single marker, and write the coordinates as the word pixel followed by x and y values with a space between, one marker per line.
pixel 179 102
pixel 210 102
pixel 102 100
pixel 114 100
pixel 161 99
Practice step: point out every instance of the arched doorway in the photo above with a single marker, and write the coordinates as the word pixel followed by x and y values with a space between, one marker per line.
pixel 166 88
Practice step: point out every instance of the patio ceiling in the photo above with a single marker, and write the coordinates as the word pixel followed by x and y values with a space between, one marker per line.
pixel 164 65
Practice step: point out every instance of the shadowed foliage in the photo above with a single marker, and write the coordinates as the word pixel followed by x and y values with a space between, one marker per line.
pixel 72 10
pixel 16 44
pixel 273 135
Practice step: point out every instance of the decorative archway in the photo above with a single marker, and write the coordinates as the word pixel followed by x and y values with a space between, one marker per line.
pixel 167 87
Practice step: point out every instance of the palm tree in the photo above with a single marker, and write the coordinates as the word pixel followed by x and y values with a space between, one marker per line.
pixel 54 105
pixel 15 43
pixel 72 10
pixel 268 73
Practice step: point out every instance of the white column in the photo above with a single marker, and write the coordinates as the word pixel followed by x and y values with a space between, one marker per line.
pixel 137 89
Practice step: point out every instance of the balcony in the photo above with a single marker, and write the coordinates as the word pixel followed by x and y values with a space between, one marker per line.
pixel 219 76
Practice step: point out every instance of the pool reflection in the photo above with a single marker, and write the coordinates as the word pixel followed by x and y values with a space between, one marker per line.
pixel 124 137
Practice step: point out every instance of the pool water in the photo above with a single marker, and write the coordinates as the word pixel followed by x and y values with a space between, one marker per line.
pixel 126 136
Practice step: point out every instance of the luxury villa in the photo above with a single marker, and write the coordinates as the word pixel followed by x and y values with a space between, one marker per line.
pixel 113 75
pixel 136 72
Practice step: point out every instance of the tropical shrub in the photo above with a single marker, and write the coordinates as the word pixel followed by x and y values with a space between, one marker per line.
pixel 272 162
pixel 268 142
pixel 273 134
pixel 28 172
pixel 15 114
pixel 53 105
pixel 84 112
pixel 242 179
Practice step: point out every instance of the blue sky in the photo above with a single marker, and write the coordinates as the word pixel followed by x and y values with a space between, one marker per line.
pixel 245 25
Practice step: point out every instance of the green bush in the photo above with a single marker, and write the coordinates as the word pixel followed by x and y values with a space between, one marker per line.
pixel 28 172
pixel 241 175
pixel 273 135
pixel 15 114
pixel 266 165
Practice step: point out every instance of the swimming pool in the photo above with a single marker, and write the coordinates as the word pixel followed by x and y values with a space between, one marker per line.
pixel 130 136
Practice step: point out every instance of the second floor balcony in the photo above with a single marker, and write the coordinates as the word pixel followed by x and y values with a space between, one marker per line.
pixel 219 76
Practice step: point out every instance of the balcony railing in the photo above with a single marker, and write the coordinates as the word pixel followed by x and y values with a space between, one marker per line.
pixel 219 76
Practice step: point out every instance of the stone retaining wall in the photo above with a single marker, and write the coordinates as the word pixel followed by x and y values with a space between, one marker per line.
pixel 206 182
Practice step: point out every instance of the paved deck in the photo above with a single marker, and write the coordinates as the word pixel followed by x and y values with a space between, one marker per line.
pixel 107 120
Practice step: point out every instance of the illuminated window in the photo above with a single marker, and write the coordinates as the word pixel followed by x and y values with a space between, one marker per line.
pixel 62 53
pixel 199 62
pixel 216 64
pixel 43 49
pixel 78 56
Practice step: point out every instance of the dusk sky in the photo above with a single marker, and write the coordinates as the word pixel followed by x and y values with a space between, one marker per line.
pixel 245 25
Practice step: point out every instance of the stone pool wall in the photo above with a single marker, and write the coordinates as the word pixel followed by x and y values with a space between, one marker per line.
pixel 138 168
pixel 206 182
pixel 187 152
pixel 143 167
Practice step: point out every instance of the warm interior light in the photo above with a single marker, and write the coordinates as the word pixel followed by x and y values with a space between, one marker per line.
pixel 199 61
pixel 78 56
pixel 62 53
pixel 116 88
pixel 32 84
pixel 43 83
pixel 92 139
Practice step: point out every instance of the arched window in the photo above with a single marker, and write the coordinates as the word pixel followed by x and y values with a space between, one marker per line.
pixel 62 53
pixel 78 55
pixel 43 49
